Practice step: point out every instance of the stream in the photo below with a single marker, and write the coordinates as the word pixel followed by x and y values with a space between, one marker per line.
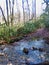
pixel 14 55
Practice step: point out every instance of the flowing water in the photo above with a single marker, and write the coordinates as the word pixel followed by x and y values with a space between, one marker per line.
pixel 16 56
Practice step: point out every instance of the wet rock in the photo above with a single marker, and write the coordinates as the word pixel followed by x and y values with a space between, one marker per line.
pixel 5 49
pixel 1 53
pixel 46 40
pixel 34 48
pixel 2 47
pixel 41 49
pixel 25 50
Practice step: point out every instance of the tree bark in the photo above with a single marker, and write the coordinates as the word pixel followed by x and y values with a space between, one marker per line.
pixel 7 12
pixel 3 15
pixel 12 15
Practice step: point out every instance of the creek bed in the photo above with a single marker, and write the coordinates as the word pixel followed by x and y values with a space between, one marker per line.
pixel 14 55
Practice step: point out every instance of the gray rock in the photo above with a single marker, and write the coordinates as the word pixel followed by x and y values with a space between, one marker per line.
pixel 2 47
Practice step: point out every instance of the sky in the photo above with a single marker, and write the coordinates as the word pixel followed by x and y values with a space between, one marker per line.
pixel 39 6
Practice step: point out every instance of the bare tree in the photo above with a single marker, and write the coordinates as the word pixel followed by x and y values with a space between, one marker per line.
pixel 23 11
pixel 9 8
pixel 28 8
pixel 18 10
pixel 33 9
pixel 3 15
pixel 7 12
pixel 12 17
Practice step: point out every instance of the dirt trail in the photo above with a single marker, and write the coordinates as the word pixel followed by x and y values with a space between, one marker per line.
pixel 40 33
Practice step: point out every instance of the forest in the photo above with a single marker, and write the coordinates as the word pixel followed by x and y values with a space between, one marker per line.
pixel 24 37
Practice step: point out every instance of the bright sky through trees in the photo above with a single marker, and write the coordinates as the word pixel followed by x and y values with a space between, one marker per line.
pixel 38 6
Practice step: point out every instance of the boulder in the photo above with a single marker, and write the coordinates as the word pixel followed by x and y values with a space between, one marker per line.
pixel 26 50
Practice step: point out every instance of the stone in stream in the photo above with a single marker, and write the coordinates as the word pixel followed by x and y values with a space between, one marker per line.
pixel 41 49
pixel 2 47
pixel 34 48
pixel 1 53
pixel 26 51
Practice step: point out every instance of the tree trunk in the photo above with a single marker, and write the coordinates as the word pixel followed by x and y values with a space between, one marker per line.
pixel 28 8
pixel 18 10
pixel 3 15
pixel 23 11
pixel 7 12
pixel 12 15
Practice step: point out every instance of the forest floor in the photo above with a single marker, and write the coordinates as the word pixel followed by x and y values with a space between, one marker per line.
pixel 41 33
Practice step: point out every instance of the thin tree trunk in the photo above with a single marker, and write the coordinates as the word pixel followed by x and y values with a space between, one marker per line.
pixel 12 16
pixel 10 6
pixel 34 13
pixel 28 8
pixel 3 15
pixel 18 10
pixel 23 11
pixel 7 12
